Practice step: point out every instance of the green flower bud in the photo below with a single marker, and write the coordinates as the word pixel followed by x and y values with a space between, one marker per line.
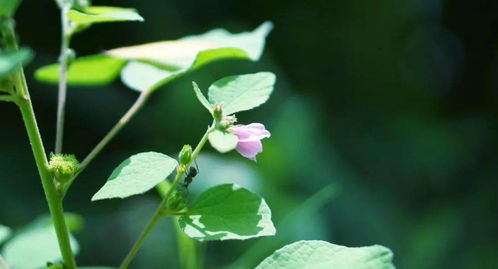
pixel 176 202
pixel 217 113
pixel 185 154
pixel 63 167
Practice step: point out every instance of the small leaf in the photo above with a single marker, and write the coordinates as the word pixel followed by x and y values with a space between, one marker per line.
pixel 136 175
pixel 92 70
pixel 181 56
pixel 140 76
pixel 34 247
pixel 227 212
pixel 201 97
pixel 101 14
pixel 11 60
pixel 223 141
pixel 4 233
pixel 324 255
pixel 242 92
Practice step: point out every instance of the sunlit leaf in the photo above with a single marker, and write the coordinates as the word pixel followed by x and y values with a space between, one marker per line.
pixel 136 175
pixel 141 76
pixel 10 60
pixel 242 92
pixel 227 212
pixel 223 141
pixel 3 263
pixel 34 247
pixel 4 233
pixel 186 54
pixel 92 70
pixel 101 14
pixel 323 255
pixel 201 97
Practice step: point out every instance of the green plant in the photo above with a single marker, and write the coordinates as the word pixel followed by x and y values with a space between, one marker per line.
pixel 222 212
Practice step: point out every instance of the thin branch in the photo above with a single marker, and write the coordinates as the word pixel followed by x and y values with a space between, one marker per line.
pixel 115 130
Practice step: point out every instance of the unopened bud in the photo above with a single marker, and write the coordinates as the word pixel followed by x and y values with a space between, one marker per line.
pixel 217 113
pixel 185 154
pixel 63 166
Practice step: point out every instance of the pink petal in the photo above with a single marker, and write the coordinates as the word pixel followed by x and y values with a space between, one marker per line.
pixel 250 149
pixel 251 132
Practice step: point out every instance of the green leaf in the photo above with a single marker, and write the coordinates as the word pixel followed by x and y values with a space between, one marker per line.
pixel 95 267
pixel 242 92
pixel 92 70
pixel 136 175
pixel 101 14
pixel 227 212
pixel 33 248
pixel 11 60
pixel 8 8
pixel 201 97
pixel 189 53
pixel 3 263
pixel 223 141
pixel 141 76
pixel 323 255
pixel 4 233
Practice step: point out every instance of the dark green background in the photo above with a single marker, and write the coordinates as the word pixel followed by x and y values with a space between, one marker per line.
pixel 394 103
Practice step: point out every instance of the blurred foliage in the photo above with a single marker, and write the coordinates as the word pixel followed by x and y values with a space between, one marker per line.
pixel 392 102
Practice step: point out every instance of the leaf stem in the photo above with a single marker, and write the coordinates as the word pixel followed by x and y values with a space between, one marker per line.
pixel 115 130
pixel 63 66
pixel 7 98
pixel 53 198
pixel 160 209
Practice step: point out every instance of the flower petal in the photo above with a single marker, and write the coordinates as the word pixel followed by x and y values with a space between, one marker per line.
pixel 251 132
pixel 250 149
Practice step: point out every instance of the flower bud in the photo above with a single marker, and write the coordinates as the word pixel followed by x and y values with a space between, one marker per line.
pixel 217 113
pixel 63 167
pixel 176 202
pixel 185 154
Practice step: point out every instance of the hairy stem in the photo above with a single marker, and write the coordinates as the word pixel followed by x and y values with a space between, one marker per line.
pixel 53 198
pixel 63 66
pixel 160 209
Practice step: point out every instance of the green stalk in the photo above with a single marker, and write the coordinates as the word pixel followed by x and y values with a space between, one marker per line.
pixel 189 250
pixel 160 209
pixel 52 196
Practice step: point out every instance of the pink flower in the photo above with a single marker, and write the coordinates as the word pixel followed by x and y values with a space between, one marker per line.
pixel 250 136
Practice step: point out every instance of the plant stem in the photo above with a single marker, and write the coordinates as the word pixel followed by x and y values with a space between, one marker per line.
pixel 63 66
pixel 160 209
pixel 53 198
pixel 115 130
pixel 7 98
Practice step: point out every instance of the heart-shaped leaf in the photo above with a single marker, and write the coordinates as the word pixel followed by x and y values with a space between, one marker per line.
pixel 227 212
pixel 136 175
pixel 242 92
pixel 323 255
